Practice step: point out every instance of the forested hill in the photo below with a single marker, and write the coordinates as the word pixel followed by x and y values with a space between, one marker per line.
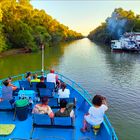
pixel 22 26
pixel 121 21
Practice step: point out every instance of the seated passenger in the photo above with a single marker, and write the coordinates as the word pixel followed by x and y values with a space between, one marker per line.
pixel 63 92
pixel 10 81
pixel 43 108
pixel 51 77
pixel 28 76
pixel 7 91
pixel 95 115
pixel 35 79
pixel 65 109
pixel 41 84
pixel 15 89
pixel 58 84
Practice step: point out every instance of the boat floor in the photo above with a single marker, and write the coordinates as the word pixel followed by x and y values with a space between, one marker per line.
pixel 23 129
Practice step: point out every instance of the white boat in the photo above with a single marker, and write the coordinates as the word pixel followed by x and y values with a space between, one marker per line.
pixel 128 42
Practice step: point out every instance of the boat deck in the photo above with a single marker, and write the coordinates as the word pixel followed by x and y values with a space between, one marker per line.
pixel 23 128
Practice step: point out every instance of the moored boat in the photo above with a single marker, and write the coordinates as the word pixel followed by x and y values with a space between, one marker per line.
pixel 129 42
pixel 40 127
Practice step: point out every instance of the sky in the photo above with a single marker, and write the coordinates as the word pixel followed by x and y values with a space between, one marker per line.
pixel 82 15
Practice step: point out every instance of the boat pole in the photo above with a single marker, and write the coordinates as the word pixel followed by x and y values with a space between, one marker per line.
pixel 42 46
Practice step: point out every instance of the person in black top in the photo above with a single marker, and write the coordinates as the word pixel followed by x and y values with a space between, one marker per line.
pixel 41 84
pixel 65 109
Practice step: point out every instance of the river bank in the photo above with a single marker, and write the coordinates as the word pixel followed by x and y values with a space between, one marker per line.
pixel 13 52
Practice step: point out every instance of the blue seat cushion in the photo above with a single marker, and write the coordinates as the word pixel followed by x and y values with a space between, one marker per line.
pixel 63 121
pixel 5 105
pixel 41 119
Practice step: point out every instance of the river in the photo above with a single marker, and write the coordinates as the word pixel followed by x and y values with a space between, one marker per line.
pixel 98 70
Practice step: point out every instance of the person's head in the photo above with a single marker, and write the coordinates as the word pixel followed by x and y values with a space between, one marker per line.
pixel 9 79
pixel 41 79
pixel 97 100
pixel 52 71
pixel 63 103
pixel 63 86
pixel 28 74
pixel 6 83
pixel 35 76
pixel 44 100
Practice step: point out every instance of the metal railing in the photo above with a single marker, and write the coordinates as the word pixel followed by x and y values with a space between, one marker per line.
pixel 76 87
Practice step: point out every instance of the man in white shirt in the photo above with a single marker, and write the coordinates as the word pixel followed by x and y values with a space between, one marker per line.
pixel 51 77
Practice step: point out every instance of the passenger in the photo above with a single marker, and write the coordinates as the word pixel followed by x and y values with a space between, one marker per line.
pixel 58 84
pixel 96 113
pixel 41 84
pixel 15 89
pixel 63 92
pixel 65 109
pixel 10 81
pixel 7 91
pixel 28 76
pixel 43 108
pixel 51 77
pixel 35 79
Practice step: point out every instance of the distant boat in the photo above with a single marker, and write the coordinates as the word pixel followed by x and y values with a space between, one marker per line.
pixel 128 42
pixel 41 127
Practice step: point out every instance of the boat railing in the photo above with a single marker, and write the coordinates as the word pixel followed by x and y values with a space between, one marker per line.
pixel 87 96
pixel 76 87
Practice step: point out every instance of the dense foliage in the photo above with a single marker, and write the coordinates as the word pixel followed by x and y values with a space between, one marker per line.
pixel 121 21
pixel 22 26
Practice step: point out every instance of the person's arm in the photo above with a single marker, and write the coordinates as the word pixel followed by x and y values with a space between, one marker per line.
pixel 72 114
pixel 70 106
pixel 1 99
pixel 14 88
pixel 50 112
pixel 29 79
pixel 104 101
pixel 35 109
pixel 104 104
pixel 56 77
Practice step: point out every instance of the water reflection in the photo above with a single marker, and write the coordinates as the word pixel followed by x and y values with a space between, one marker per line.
pixel 20 63
pixel 122 70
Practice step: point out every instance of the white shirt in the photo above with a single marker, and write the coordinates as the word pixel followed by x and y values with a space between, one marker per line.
pixel 51 77
pixel 96 115
pixel 64 94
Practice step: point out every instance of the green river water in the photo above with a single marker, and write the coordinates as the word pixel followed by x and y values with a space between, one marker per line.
pixel 98 70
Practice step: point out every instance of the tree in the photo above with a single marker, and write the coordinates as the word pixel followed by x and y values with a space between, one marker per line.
pixel 25 27
pixel 121 21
